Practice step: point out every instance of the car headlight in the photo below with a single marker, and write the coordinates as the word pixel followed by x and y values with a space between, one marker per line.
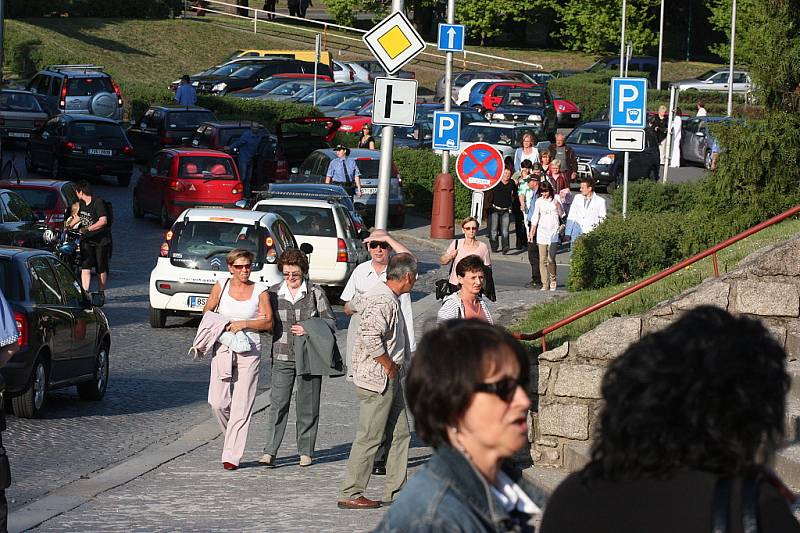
pixel 607 159
pixel 346 127
pixel 535 118
pixel 561 107
pixel 219 86
pixel 195 84
pixel 495 116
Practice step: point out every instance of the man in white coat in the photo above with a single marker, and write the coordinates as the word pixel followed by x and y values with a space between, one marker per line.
pixel 587 211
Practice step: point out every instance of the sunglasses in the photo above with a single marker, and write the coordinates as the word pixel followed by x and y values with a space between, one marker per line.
pixel 248 266
pixel 292 275
pixel 504 389
pixel 471 228
pixel 381 245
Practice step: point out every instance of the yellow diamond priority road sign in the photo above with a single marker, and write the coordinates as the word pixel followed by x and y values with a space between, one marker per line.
pixel 394 42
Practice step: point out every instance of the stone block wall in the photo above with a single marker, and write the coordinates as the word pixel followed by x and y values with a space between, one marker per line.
pixel 766 285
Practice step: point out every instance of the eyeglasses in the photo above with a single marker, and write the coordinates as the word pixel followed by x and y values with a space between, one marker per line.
pixel 292 275
pixel 379 244
pixel 471 228
pixel 504 389
pixel 248 266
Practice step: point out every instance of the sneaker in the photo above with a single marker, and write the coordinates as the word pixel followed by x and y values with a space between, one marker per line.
pixel 544 288
pixel 267 459
pixel 306 460
pixel 553 286
pixel 533 284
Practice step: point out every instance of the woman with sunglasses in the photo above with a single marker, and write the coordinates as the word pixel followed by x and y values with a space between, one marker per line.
pixel 461 248
pixel 366 140
pixel 232 389
pixel 466 390
pixel 295 301
pixel 467 302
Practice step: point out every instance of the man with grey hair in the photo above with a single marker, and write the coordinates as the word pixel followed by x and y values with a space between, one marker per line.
pixel 378 356
pixel 561 152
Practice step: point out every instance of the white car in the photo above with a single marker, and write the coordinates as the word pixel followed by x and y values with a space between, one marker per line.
pixel 342 72
pixel 506 138
pixel 716 80
pixel 463 93
pixel 192 257
pixel 328 227
pixel 360 72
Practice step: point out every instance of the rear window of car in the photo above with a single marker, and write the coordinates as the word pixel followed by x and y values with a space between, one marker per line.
pixel 207 168
pixel 90 131
pixel 188 119
pixel 39 199
pixel 88 86
pixel 589 136
pixel 310 221
pixel 369 168
pixel 10 281
pixel 524 98
pixel 19 102
pixel 203 245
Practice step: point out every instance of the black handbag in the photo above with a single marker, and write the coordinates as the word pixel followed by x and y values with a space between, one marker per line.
pixel 443 286
pixel 488 284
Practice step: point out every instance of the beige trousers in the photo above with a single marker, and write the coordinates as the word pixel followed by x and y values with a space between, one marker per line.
pixel 547 264
pixel 232 400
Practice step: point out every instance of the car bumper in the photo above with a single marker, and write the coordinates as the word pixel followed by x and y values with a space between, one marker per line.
pixel 15 134
pixel 89 164
pixel 334 276
pixel 567 118
pixel 176 207
pixel 17 371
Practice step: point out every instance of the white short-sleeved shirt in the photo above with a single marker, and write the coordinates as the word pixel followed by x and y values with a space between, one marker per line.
pixel 545 218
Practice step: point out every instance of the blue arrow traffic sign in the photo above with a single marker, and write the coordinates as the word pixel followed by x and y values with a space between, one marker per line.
pixel 451 37
pixel 446 130
pixel 628 107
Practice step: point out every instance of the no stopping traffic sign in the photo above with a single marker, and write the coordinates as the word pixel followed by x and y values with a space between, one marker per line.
pixel 479 167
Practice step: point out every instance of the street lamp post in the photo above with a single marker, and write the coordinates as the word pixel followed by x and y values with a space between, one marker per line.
pixel 660 45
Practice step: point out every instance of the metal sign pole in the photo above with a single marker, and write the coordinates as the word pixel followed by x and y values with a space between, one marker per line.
pixel 448 81
pixel 730 68
pixel 477 206
pixel 660 44
pixel 672 94
pixel 626 162
pixel 317 43
pixel 622 41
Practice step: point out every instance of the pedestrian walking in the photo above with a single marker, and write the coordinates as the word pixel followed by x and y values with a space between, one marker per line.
pixel 659 124
pixel 500 199
pixel 526 152
pixel 544 159
pixel 95 227
pixel 467 303
pixel 566 155
pixel 520 234
pixel 545 223
pixel 344 171
pixel 249 145
pixel 693 415
pixel 9 336
pixel 701 109
pixel 461 248
pixel 234 376
pixel 302 318
pixel 269 6
pixel 366 141
pixel 467 392
pixel 186 93
pixel 587 212
pixel 677 131
pixel 533 249
pixel 560 182
pixel 379 358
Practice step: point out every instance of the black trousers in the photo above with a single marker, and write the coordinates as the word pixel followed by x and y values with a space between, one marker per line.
pixel 519 226
pixel 533 259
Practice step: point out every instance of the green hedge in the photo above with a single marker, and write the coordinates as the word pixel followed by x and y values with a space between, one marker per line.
pixel 650 197
pixel 419 169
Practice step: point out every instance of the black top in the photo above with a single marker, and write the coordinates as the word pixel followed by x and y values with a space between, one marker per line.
pixel 503 194
pixel 659 127
pixel 681 503
pixel 363 142
pixel 89 215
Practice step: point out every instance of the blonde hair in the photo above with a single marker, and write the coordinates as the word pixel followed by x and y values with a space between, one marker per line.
pixel 238 253
pixel 556 163
pixel 468 220
pixel 544 152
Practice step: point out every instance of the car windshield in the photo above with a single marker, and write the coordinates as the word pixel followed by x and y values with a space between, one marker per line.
pixel 588 136
pixel 227 70
pixel 39 199
pixel 487 134
pixel 355 103
pixel 269 84
pixel 11 101
pixel 206 168
pixel 289 88
pixel 246 72
pixel 332 98
pixel 90 131
pixel 517 97
pixel 88 86
pixel 203 245
pixel 188 119
pixel 707 74
pixel 307 221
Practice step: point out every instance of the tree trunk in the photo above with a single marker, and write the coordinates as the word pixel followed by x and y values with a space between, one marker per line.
pixel 242 11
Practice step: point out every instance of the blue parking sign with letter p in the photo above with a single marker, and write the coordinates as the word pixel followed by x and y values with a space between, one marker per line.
pixel 628 107
pixel 446 130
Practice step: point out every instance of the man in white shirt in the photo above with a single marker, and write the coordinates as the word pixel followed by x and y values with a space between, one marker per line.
pixel 587 211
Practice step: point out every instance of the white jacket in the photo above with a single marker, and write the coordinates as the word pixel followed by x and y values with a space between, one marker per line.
pixel 584 218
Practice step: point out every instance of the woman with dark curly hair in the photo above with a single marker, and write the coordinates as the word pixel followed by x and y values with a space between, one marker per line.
pixel 693 414
pixel 295 301
pixel 466 389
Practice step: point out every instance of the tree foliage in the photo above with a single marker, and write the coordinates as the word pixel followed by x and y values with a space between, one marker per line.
pixel 593 26
pixel 485 20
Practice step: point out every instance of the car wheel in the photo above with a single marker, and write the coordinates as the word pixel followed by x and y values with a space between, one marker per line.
pixel 29 165
pixel 137 211
pixel 163 218
pixel 30 403
pixel 123 181
pixel 397 221
pixel 95 389
pixel 55 170
pixel 158 318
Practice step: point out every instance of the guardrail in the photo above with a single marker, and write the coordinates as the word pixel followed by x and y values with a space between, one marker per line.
pixel 656 277
pixel 260 16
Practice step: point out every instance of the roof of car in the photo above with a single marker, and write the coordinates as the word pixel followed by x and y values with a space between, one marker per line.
pixel 503 125
pixel 595 124
pixel 33 182
pixel 77 71
pixel 305 202
pixel 87 118
pixel 239 216
pixel 309 188
pixel 355 153
pixel 178 107
pixel 15 251
pixel 230 123
pixel 202 152
pixel 16 91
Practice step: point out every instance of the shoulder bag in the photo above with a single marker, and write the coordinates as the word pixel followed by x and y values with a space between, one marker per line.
pixel 443 286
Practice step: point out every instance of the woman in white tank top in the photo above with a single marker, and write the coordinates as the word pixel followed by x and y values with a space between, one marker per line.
pixel 234 380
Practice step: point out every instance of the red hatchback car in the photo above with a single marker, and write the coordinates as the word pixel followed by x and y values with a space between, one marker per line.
pixel 180 178
pixel 495 93
pixel 49 199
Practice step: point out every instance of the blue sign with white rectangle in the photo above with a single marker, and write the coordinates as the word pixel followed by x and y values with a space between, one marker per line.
pixel 451 37
pixel 628 107
pixel 446 130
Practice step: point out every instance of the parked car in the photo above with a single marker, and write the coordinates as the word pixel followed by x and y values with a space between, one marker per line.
pixel 300 136
pixel 252 74
pixel 83 89
pixel 463 96
pixel 327 226
pixel 316 165
pixel 49 199
pixel 20 115
pixel 495 92
pixel 425 113
pixel 164 126
pixel 532 106
pixel 64 338
pixel 504 137
pixel 331 96
pixel 180 178
pixel 225 69
pixel 697 138
pixel 590 143
pixel 347 107
pixel 538 76
pixel 419 136
pixel 81 145
pixel 461 78
pixel 272 82
pixel 192 257
pixel 354 122
pixel 19 225
pixel 367 70
pixel 292 91
pixel 648 64
pixel 342 72
pixel 716 80
pixel 567 111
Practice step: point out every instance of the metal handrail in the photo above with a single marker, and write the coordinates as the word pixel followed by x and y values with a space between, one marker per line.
pixel 656 277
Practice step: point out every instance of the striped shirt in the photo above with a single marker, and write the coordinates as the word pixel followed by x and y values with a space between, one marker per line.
pixel 453 307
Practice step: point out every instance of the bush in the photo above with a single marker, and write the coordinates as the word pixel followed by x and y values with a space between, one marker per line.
pixel 650 197
pixel 94 8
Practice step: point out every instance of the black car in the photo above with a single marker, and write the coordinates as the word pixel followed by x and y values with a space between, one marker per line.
pixel 64 337
pixel 164 126
pixel 252 74
pixel 590 143
pixel 81 145
pixel 20 115
pixel 528 105
pixel 418 136
pixel 19 225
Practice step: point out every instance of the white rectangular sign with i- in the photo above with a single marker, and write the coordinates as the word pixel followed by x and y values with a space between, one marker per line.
pixel 394 102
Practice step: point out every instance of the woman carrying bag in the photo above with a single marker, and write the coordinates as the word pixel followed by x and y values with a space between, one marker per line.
pixel 460 248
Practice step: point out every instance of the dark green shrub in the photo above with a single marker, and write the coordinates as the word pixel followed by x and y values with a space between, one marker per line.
pixel 650 197
pixel 94 8
pixel 419 169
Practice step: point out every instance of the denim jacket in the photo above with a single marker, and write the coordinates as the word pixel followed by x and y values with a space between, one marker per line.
pixel 450 495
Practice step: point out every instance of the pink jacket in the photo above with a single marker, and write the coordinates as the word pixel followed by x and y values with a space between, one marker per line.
pixel 211 327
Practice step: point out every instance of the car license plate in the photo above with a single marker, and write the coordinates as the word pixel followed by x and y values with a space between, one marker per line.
pixel 98 151
pixel 19 134
pixel 583 168
pixel 369 190
pixel 197 301
pixel 575 115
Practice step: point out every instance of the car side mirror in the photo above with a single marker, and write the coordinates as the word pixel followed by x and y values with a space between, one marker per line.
pixel 700 134
pixel 294 170
pixel 143 125
pixel 241 204
pixel 306 248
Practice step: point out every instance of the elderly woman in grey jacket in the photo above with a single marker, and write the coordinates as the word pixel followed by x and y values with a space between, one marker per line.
pixel 294 301
pixel 467 302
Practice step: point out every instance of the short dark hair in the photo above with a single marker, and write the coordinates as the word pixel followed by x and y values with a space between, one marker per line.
pixel 587 180
pixel 470 263
pixel 705 393
pixel 83 187
pixel 293 257
pixel 185 78
pixel 526 163
pixel 508 161
pixel 450 360
pixel 545 186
